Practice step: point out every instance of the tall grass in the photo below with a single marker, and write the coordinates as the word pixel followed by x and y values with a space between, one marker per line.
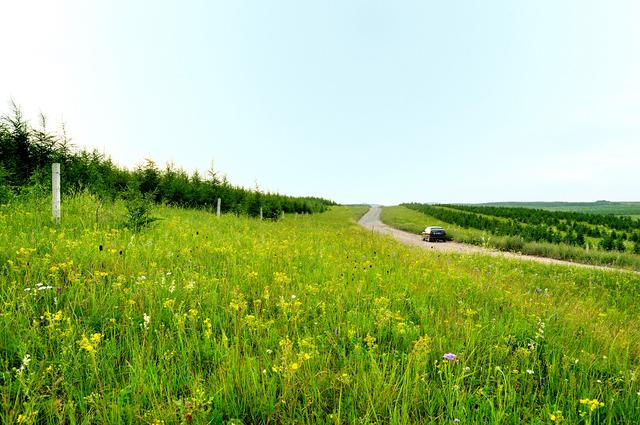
pixel 198 319
pixel 415 222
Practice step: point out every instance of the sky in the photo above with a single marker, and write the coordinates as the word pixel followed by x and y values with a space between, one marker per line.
pixel 357 101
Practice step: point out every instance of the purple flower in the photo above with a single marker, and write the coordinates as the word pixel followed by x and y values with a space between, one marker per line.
pixel 450 356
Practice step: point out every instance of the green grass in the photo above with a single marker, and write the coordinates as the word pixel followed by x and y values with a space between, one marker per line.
pixel 311 319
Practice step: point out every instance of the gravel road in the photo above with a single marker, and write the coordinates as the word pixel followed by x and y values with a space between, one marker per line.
pixel 371 220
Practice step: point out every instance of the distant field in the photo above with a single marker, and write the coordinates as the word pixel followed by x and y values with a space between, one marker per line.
pixel 600 207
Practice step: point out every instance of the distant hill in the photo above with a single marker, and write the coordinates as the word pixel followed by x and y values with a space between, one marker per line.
pixel 598 207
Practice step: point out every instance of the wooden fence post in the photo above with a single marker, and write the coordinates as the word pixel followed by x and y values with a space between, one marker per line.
pixel 55 192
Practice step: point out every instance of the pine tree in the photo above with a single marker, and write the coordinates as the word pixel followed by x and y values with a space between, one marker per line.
pixel 607 243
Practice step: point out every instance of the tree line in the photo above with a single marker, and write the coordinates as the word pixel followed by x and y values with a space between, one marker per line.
pixel 27 152
pixel 528 226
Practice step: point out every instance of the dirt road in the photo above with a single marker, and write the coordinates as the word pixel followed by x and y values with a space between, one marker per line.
pixel 371 220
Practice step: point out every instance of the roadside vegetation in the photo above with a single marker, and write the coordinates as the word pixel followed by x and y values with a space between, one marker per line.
pixel 563 240
pixel 309 319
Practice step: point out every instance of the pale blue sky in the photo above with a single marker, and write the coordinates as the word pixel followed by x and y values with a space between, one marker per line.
pixel 357 101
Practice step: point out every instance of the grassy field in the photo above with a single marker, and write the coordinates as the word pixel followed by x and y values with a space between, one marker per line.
pixel 310 319
pixel 415 222
pixel 614 208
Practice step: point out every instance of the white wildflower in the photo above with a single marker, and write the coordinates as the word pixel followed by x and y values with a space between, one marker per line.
pixel 25 364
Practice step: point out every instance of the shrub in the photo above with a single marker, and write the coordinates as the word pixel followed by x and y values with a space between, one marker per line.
pixel 513 243
pixel 139 209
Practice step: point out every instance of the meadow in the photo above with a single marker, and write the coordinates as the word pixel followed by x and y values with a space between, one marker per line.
pixel 608 241
pixel 308 319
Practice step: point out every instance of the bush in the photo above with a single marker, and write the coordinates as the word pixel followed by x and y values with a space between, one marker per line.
pixel 512 243
pixel 139 209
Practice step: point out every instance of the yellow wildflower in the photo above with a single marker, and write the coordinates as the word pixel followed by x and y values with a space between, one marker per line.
pixel 89 344
pixel 344 379
pixel 281 277
pixel 556 417
pixel 238 303
pixel 86 345
pixel 370 341
pixel 208 327
pixel 591 404
pixel 193 313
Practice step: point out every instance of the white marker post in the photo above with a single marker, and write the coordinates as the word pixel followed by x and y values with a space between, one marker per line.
pixel 260 213
pixel 218 209
pixel 55 192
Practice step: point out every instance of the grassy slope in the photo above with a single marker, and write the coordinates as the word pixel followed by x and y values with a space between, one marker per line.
pixel 311 319
pixel 414 221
